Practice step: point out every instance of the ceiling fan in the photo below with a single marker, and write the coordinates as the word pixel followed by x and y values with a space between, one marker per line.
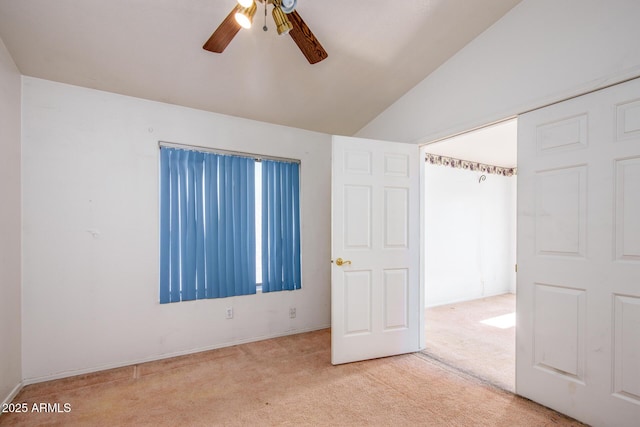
pixel 287 21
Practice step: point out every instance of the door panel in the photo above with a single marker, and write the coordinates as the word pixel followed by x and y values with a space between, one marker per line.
pixel 626 347
pixel 357 227
pixel 396 299
pixel 375 294
pixel 627 200
pixel 561 197
pixel 578 326
pixel 559 350
pixel 357 301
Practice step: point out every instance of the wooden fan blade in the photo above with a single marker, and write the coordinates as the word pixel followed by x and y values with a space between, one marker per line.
pixel 223 35
pixel 306 41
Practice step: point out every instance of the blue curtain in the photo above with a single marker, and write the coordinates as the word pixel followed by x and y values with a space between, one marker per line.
pixel 207 225
pixel 280 226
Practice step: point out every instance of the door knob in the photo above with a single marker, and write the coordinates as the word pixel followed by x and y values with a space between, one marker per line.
pixel 340 261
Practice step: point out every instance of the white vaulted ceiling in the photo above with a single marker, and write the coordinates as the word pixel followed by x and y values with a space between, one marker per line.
pixel 152 49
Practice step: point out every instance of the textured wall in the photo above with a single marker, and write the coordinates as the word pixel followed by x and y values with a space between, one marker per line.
pixel 91 232
pixel 470 240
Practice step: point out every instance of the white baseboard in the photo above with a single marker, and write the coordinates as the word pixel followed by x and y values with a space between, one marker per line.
pixel 13 394
pixel 72 373
pixel 466 299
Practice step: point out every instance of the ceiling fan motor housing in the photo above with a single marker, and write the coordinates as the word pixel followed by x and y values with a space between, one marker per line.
pixel 287 6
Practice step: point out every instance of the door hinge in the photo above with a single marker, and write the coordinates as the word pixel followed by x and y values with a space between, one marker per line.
pixel 516 268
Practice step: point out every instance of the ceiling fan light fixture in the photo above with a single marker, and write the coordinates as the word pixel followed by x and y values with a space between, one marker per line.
pixel 246 3
pixel 283 25
pixel 245 15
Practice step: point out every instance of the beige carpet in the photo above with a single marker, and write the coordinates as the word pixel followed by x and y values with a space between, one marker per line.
pixel 456 336
pixel 283 381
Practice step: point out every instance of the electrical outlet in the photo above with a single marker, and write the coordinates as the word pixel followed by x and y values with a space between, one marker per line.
pixel 292 312
pixel 229 313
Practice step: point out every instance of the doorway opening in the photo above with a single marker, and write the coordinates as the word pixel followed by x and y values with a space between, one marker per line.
pixel 470 252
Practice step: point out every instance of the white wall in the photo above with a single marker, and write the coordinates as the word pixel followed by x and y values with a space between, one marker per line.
pixel 539 52
pixel 90 190
pixel 10 327
pixel 470 239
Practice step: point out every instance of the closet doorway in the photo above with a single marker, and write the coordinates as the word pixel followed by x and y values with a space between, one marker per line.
pixel 470 185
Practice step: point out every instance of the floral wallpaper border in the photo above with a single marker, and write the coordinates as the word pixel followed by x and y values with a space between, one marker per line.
pixel 473 166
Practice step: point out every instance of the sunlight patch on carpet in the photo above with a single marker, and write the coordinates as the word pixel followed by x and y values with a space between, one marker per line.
pixel 503 322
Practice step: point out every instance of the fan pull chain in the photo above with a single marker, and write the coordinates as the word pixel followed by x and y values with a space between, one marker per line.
pixel 265 17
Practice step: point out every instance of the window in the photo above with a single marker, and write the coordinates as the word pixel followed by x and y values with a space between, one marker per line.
pixel 227 224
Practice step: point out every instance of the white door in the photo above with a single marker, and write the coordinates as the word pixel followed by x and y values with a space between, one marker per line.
pixel 578 304
pixel 376 308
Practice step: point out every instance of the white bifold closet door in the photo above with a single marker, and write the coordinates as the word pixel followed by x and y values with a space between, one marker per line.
pixel 578 291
